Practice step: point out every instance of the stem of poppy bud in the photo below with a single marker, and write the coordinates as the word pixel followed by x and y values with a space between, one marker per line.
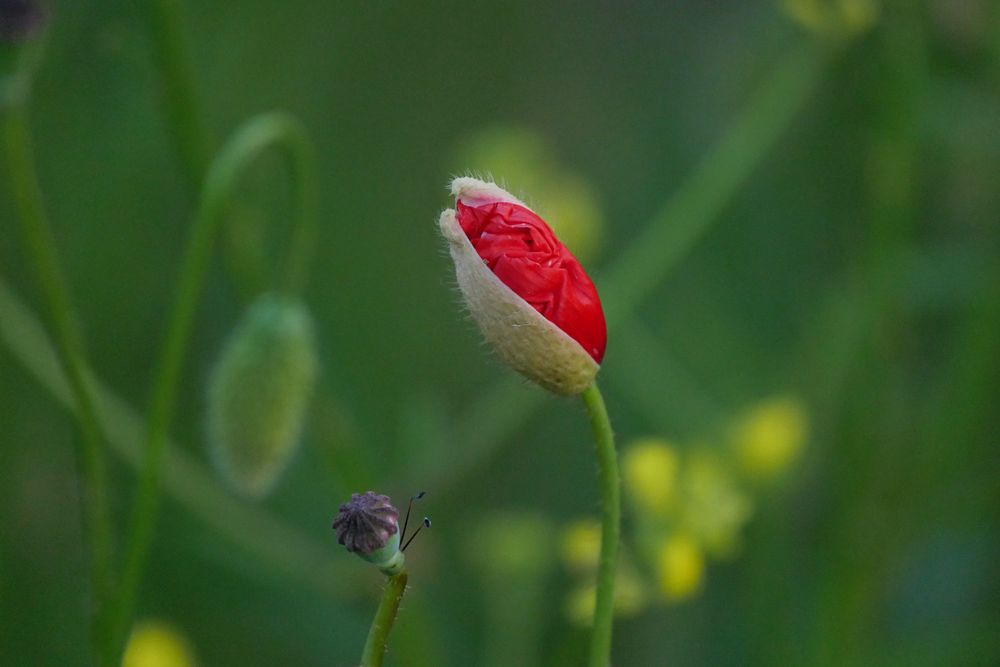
pixel 610 485
pixel 378 635
pixel 273 130
pixel 173 59
pixel 39 241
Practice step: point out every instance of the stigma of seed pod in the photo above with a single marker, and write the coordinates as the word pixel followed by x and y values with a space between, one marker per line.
pixel 426 522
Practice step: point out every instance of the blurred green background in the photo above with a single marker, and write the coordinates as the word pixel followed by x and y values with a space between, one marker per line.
pixel 789 204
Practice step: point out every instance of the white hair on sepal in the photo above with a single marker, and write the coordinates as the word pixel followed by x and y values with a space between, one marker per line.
pixel 475 192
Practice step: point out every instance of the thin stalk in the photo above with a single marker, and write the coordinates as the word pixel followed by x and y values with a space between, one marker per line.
pixel 255 137
pixel 385 615
pixel 173 59
pixel 39 240
pixel 610 487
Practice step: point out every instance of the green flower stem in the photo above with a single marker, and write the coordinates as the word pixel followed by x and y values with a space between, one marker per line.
pixel 255 137
pixel 611 511
pixel 40 243
pixel 378 635
pixel 172 54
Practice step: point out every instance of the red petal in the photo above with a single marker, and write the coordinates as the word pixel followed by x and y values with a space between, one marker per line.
pixel 526 256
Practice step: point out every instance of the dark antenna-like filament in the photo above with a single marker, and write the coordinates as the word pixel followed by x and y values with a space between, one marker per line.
pixel 409 507
pixel 426 522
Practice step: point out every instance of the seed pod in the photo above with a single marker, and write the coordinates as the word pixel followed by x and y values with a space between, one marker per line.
pixel 259 392
pixel 368 525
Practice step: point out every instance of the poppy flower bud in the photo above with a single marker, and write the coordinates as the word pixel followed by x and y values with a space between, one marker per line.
pixel 259 391
pixel 368 525
pixel 528 294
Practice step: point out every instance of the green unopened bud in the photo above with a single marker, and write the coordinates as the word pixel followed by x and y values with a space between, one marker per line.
pixel 259 391
pixel 368 526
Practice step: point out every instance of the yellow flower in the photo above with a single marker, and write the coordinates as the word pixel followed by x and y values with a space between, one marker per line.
pixel 630 598
pixel 514 156
pixel 837 17
pixel 714 508
pixel 581 545
pixel 157 644
pixel 520 160
pixel 649 471
pixel 770 436
pixel 680 567
pixel 570 205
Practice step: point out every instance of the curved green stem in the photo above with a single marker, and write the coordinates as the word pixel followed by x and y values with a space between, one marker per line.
pixel 255 137
pixel 611 510
pixel 183 108
pixel 239 524
pixel 378 635
pixel 40 243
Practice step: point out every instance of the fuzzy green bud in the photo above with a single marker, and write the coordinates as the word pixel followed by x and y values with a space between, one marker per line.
pixel 259 392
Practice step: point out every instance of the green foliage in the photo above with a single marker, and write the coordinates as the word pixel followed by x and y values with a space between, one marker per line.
pixel 792 199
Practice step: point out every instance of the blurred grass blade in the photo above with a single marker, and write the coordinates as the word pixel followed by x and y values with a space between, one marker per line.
pixel 689 214
pixel 39 243
pixel 256 531
pixel 658 385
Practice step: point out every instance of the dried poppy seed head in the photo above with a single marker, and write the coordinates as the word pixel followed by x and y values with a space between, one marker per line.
pixel 20 19
pixel 368 525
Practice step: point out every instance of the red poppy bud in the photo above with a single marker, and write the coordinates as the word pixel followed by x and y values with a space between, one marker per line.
pixel 526 291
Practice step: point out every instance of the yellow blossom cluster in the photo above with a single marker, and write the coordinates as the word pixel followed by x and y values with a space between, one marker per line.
pixel 155 643
pixel 833 17
pixel 689 504
pixel 580 549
